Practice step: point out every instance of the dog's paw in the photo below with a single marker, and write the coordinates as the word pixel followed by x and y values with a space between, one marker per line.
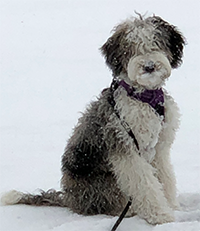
pixel 173 203
pixel 175 206
pixel 10 198
pixel 161 218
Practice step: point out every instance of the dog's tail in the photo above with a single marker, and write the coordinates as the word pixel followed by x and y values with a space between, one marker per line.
pixel 49 198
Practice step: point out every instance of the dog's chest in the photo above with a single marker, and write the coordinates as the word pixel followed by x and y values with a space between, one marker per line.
pixel 143 121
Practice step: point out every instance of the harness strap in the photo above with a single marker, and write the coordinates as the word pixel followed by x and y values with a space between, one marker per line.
pixel 126 126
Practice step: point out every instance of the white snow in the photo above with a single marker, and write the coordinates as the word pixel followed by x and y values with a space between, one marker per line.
pixel 50 69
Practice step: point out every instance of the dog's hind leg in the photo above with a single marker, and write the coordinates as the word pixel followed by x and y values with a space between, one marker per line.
pixel 49 198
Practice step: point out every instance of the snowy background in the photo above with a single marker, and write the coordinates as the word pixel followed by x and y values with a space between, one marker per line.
pixel 50 69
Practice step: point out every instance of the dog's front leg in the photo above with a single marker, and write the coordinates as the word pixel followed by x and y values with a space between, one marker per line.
pixel 162 162
pixel 136 179
pixel 166 176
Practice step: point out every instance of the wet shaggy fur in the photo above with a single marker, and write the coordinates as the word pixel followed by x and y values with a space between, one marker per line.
pixel 101 166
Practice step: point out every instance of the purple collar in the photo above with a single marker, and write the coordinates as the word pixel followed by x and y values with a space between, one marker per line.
pixel 155 98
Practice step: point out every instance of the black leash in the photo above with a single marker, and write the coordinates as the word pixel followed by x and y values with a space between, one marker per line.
pixel 122 215
pixel 127 128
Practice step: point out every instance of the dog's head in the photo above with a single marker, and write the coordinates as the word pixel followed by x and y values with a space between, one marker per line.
pixel 145 50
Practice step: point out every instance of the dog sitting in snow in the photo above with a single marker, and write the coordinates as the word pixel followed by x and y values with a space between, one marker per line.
pixel 120 148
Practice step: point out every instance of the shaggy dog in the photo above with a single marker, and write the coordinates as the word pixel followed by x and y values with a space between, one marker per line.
pixel 120 149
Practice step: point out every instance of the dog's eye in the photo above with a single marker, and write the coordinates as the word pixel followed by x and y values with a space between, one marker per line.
pixel 140 65
pixel 158 65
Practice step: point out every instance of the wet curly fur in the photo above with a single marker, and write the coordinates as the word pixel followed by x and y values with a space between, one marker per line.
pixel 101 166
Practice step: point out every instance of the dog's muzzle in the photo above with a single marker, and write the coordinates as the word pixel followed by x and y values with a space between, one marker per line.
pixel 149 70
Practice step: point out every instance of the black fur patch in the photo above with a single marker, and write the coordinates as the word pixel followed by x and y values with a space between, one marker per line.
pixel 87 159
pixel 86 151
pixel 174 40
pixel 113 53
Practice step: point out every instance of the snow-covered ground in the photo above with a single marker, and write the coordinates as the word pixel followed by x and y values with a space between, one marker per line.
pixel 50 69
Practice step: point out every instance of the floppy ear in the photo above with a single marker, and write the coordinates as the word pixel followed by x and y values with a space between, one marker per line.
pixel 176 44
pixel 176 40
pixel 113 52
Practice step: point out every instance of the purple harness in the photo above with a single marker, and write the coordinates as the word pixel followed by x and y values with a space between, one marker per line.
pixel 155 98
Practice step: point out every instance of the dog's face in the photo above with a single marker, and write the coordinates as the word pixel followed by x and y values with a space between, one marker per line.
pixel 149 70
pixel 144 49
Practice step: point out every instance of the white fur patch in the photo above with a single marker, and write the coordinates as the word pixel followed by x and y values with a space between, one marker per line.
pixel 144 122
pixel 12 197
pixel 141 33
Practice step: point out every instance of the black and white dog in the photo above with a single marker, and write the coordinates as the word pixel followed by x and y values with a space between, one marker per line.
pixel 120 148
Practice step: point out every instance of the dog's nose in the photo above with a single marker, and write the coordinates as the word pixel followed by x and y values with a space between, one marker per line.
pixel 149 67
